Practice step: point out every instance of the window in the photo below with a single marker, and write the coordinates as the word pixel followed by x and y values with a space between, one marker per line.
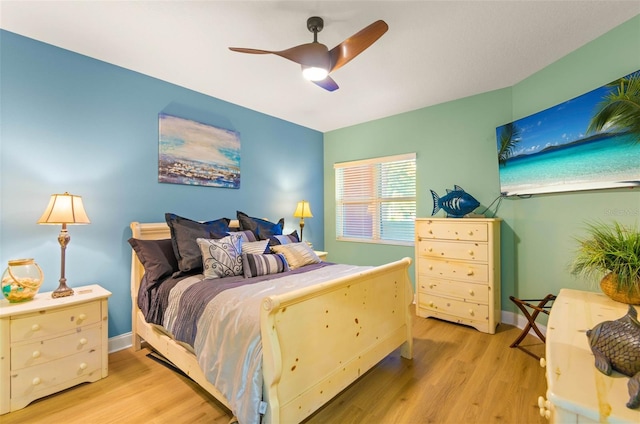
pixel 376 200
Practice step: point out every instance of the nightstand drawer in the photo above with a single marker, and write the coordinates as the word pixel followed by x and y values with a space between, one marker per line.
pixel 46 323
pixel 84 366
pixel 466 251
pixel 465 271
pixel 477 293
pixel 464 310
pixel 40 352
pixel 472 231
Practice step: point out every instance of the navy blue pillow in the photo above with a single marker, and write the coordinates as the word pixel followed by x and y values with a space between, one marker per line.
pixel 284 239
pixel 156 256
pixel 261 228
pixel 184 233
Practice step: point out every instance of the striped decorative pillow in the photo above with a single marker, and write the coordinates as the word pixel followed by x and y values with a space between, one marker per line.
pixel 255 247
pixel 256 265
pixel 297 254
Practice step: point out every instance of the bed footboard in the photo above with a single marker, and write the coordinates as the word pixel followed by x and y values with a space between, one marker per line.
pixel 318 340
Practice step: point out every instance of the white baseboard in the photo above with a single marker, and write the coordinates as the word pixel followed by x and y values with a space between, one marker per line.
pixel 123 341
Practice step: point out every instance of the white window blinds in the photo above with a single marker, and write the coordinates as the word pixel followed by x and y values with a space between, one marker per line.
pixel 376 199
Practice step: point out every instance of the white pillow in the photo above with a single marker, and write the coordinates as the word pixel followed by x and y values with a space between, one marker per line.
pixel 254 247
pixel 297 254
pixel 221 257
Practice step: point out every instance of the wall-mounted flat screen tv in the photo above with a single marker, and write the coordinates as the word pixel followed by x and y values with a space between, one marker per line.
pixel 587 143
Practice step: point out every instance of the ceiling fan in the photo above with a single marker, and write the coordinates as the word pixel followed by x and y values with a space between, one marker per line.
pixel 317 60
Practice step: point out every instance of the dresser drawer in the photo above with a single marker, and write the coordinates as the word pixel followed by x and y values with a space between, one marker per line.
pixel 466 251
pixel 465 271
pixel 39 352
pixel 46 323
pixel 470 292
pixel 84 366
pixel 472 231
pixel 458 308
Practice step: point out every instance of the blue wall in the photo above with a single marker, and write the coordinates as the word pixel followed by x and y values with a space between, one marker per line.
pixel 72 123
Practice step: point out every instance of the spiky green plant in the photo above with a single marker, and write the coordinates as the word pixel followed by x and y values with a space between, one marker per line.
pixel 609 248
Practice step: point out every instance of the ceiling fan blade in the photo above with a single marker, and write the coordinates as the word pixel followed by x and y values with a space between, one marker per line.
pixel 328 84
pixel 310 54
pixel 356 44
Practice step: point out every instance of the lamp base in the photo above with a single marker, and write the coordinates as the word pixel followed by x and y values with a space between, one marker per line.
pixel 62 291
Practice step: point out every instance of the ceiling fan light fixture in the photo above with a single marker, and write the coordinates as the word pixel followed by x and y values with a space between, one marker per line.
pixel 313 73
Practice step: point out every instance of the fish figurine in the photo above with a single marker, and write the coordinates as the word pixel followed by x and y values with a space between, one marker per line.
pixel 616 346
pixel 456 203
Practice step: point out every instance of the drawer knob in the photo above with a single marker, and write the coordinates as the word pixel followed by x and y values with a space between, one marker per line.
pixel 544 406
pixel 471 312
pixel 430 249
pixel 36 381
pixel 471 292
pixel 471 252
pixel 431 286
pixel 430 232
pixel 430 267
pixel 35 354
pixel 543 362
pixel 83 366
pixel 470 232
pixel 431 304
pixel 35 327
pixel 82 317
pixel 83 341
pixel 469 272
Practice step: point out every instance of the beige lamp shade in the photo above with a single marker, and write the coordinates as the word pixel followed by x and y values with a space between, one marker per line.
pixel 303 210
pixel 64 209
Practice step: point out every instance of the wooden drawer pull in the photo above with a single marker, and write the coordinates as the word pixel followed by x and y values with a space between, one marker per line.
pixel 35 327
pixel 470 252
pixel 82 317
pixel 83 366
pixel 83 341
pixel 469 272
pixel 35 354
pixel 471 312
pixel 36 381
pixel 472 293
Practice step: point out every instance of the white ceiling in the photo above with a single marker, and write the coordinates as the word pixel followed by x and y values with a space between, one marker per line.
pixel 434 51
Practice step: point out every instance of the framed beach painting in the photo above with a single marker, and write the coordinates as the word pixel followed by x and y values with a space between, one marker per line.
pixel 587 143
pixel 194 153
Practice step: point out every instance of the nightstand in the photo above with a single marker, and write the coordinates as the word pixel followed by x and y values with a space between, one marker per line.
pixel 321 255
pixel 48 345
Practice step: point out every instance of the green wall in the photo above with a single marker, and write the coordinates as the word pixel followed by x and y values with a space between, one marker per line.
pixel 455 144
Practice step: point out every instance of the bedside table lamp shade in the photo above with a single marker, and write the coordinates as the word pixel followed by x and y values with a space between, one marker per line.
pixel 303 210
pixel 64 209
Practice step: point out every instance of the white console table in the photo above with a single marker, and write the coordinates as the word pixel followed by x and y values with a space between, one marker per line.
pixel 576 391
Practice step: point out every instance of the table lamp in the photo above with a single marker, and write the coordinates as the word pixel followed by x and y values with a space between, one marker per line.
pixel 303 210
pixel 64 209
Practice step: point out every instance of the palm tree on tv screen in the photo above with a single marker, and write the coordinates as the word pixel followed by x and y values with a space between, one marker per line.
pixel 620 109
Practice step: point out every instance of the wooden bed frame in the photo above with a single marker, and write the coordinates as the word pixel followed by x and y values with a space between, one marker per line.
pixel 316 341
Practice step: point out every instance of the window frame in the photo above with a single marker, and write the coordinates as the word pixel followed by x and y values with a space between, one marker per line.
pixel 376 201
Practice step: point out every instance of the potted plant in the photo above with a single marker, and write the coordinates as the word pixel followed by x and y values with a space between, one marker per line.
pixel 611 252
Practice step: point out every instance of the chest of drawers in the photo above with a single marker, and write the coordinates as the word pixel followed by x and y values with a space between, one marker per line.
pixel 48 345
pixel 458 270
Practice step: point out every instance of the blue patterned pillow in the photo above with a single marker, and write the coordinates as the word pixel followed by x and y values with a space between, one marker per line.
pixel 256 265
pixel 184 233
pixel 284 239
pixel 221 257
pixel 262 228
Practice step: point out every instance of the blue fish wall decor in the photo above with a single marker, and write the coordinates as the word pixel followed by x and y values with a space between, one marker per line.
pixel 456 203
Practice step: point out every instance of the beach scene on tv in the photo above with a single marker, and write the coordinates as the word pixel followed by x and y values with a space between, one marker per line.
pixel 587 143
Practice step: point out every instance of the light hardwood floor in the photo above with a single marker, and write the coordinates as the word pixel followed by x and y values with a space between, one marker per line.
pixel 458 375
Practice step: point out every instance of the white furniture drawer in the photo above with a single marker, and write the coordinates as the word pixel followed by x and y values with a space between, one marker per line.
pixel 465 310
pixel 467 271
pixel 438 229
pixel 477 293
pixel 467 251
pixel 32 380
pixel 47 322
pixel 35 353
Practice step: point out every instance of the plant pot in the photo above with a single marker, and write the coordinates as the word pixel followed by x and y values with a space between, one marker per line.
pixel 609 286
